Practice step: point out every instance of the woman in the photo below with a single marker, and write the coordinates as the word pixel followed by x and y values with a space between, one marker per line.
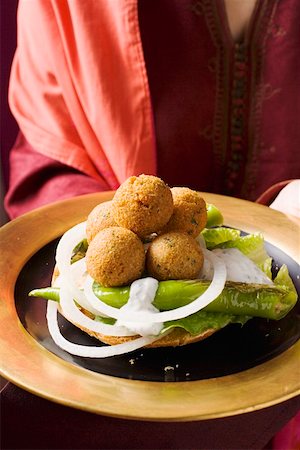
pixel 202 93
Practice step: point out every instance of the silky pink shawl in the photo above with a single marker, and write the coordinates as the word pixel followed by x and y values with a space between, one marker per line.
pixel 103 127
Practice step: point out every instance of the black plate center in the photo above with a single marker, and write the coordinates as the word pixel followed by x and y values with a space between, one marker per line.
pixel 230 350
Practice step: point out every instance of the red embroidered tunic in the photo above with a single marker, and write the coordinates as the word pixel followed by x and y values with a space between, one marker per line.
pixel 227 116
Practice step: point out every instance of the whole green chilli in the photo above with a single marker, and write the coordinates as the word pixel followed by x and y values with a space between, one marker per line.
pixel 270 302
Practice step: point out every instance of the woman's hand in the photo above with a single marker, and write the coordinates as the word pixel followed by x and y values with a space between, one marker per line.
pixel 288 199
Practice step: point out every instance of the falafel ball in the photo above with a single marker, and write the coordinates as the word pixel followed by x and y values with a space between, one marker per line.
pixel 189 215
pixel 99 218
pixel 143 204
pixel 174 256
pixel 115 257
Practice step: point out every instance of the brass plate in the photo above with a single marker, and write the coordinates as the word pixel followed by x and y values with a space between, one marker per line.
pixel 29 365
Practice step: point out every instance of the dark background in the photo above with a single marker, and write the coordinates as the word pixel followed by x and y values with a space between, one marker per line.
pixel 8 41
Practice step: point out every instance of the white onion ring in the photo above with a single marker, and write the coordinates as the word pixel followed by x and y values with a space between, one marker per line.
pixel 74 315
pixel 64 253
pixel 214 290
pixel 69 290
pixel 87 351
pixel 78 269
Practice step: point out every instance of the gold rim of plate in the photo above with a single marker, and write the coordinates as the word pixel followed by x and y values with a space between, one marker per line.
pixel 27 364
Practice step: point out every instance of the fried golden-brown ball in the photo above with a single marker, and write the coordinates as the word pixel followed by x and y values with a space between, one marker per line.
pixel 174 256
pixel 143 204
pixel 189 215
pixel 115 257
pixel 99 218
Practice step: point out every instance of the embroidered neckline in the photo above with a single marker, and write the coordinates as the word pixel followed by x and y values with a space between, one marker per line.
pixel 238 98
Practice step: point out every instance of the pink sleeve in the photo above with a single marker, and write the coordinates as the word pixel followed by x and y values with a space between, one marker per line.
pixel 36 180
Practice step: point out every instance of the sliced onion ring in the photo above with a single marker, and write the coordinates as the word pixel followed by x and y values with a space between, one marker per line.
pixel 87 351
pixel 64 253
pixel 74 315
pixel 78 270
pixel 214 290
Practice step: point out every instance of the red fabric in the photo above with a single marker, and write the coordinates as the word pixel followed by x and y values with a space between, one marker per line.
pixel 7 49
pixel 37 180
pixel 289 437
pixel 275 152
pixel 178 57
pixel 30 422
pixel 222 111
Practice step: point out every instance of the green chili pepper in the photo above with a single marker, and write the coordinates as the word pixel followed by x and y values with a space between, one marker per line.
pixel 79 251
pixel 49 293
pixel 271 302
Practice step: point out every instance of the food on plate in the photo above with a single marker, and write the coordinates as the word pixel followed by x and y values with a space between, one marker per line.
pixel 174 256
pixel 190 287
pixel 143 204
pixel 189 214
pixel 115 257
pixel 99 218
pixel 214 216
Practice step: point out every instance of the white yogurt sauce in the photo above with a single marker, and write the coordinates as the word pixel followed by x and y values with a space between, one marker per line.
pixel 239 268
pixel 141 296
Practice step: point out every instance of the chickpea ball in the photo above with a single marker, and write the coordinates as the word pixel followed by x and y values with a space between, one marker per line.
pixel 143 204
pixel 99 218
pixel 174 256
pixel 115 257
pixel 189 215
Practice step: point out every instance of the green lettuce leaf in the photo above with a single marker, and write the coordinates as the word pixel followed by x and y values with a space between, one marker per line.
pixel 283 279
pixel 202 321
pixel 216 236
